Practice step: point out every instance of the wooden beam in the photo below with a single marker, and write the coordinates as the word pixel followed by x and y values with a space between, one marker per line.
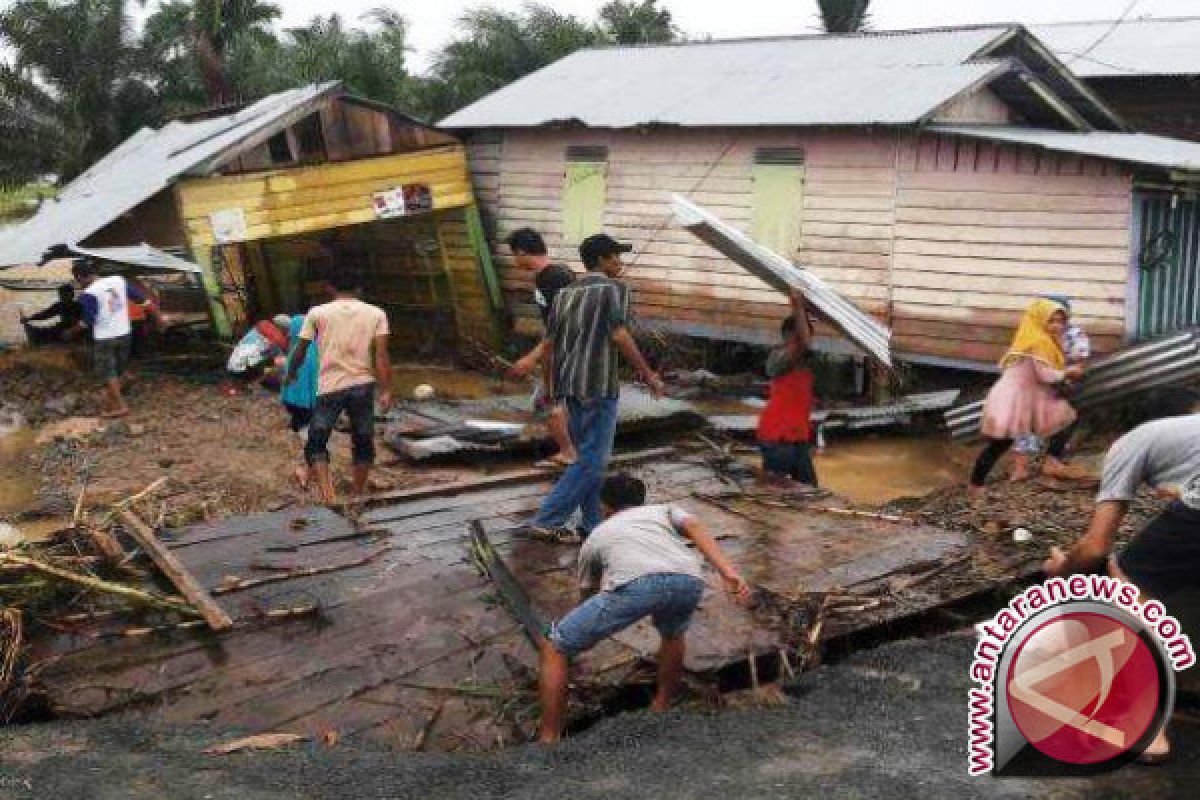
pixel 515 597
pixel 174 569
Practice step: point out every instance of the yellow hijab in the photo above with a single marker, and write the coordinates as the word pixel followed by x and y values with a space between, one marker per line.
pixel 1033 340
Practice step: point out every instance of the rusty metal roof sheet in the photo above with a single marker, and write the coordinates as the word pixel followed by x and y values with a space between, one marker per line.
pixel 145 164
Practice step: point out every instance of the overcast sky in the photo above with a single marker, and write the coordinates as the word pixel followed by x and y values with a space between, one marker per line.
pixel 433 21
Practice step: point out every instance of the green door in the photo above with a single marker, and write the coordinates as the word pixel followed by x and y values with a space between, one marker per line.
pixel 1168 260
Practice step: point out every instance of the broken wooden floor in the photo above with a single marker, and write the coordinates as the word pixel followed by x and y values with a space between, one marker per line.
pixel 411 643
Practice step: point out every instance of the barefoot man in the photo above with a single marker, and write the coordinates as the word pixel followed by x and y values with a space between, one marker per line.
pixel 346 331
pixel 1164 557
pixel 636 564
pixel 105 305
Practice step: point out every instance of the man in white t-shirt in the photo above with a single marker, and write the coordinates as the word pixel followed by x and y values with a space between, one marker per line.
pixel 105 305
pixel 352 347
pixel 635 564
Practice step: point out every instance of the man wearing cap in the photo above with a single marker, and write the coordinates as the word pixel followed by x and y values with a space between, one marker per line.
pixel 1164 557
pixel 585 330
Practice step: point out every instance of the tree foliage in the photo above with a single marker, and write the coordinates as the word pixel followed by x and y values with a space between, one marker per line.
pixel 73 88
pixel 844 16
pixel 76 78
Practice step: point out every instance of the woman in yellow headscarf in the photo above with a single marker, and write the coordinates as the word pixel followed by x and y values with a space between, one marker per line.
pixel 1025 399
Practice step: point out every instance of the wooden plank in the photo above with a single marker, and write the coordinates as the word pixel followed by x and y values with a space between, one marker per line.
pixel 1029 220
pixel 1010 201
pixel 516 599
pixel 173 568
pixel 1016 252
pixel 1077 288
pixel 1118 238
pixel 1063 185
pixel 1114 309
pixel 1105 273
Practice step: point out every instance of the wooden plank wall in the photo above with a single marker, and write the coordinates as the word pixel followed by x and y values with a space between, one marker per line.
pixel 945 238
pixel 983 227
pixel 285 202
pixel 471 303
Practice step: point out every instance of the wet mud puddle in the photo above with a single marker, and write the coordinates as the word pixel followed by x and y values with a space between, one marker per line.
pixel 878 469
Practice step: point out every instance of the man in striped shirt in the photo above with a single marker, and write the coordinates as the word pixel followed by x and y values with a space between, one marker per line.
pixel 586 328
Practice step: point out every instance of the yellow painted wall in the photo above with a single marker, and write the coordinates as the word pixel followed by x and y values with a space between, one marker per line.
pixel 292 201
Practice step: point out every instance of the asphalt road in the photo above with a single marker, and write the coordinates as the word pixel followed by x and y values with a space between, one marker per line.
pixel 887 723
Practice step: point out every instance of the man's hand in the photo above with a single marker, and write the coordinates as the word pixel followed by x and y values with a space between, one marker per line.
pixel 736 585
pixel 385 399
pixel 798 301
pixel 1056 564
pixel 1074 372
pixel 524 366
pixel 1168 493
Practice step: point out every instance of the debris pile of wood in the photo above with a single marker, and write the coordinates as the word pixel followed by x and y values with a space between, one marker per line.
pixel 90 570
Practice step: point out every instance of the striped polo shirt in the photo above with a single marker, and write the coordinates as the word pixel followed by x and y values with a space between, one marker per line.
pixel 581 324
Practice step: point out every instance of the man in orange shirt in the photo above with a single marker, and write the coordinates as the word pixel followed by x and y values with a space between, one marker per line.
pixel 785 427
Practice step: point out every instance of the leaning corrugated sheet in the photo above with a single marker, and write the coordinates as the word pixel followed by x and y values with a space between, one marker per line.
pixel 775 270
pixel 1166 361
pixel 145 164
pixel 142 256
pixel 1133 148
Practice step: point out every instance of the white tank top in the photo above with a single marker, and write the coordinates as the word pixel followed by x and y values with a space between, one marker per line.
pixel 112 307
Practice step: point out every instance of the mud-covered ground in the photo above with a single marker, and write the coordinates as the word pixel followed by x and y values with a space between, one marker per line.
pixel 887 723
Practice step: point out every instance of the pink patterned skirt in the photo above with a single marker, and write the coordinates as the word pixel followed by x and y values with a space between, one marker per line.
pixel 1021 403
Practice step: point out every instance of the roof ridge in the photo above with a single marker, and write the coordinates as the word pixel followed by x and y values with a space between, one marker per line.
pixel 1065 23
pixel 792 37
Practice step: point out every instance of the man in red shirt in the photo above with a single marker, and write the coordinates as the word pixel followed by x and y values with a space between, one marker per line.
pixel 785 429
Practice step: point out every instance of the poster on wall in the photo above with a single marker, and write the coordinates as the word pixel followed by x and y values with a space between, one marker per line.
pixel 411 198
pixel 228 225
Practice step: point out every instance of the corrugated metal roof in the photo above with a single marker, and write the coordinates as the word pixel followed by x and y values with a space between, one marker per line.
pixel 142 256
pixel 885 78
pixel 1134 148
pixel 143 165
pixel 1134 47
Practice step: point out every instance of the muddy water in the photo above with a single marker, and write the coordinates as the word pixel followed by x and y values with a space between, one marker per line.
pixel 452 384
pixel 877 469
pixel 17 481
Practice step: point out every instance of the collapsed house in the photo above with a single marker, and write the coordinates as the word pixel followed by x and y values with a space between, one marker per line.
pixel 939 179
pixel 263 199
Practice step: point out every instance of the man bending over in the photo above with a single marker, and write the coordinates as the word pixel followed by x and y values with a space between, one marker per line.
pixel 636 564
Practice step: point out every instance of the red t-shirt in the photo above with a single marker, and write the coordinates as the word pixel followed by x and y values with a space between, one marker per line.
pixel 786 418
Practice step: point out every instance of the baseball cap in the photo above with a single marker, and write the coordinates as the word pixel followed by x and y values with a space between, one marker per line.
pixel 594 247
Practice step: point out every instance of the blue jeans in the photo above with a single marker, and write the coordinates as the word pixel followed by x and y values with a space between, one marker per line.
pixel 793 459
pixel 668 598
pixel 593 424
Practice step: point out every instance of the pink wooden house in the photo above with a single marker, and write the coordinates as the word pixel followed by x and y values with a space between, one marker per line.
pixel 940 179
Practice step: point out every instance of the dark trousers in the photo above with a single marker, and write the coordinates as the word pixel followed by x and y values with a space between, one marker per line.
pixel 793 459
pixel 359 404
pixel 1056 445
pixel 987 460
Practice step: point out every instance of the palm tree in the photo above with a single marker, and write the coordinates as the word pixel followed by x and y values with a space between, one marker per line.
pixel 74 86
pixel 844 16
pixel 194 40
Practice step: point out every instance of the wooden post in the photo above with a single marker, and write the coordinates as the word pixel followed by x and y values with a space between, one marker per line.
pixel 173 568
pixel 479 245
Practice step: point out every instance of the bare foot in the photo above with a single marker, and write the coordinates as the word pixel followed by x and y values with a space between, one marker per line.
pixel 1053 468
pixel 301 477
pixel 975 495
